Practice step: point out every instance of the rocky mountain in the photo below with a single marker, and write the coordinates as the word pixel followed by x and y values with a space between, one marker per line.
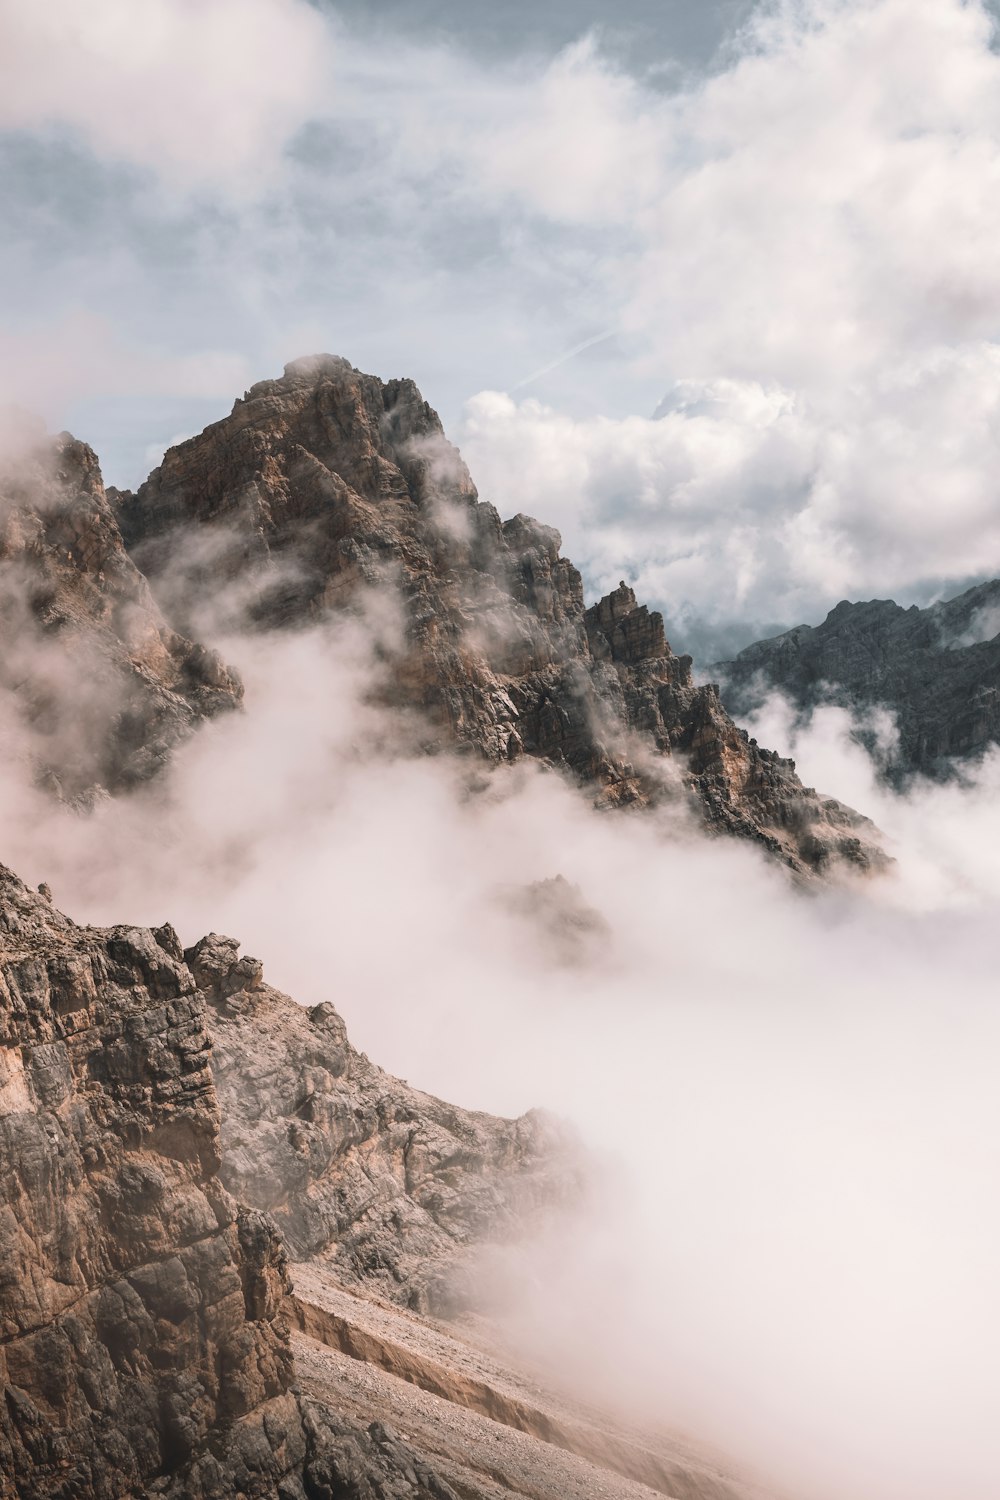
pixel 936 670
pixel 101 686
pixel 173 1129
pixel 383 1185
pixel 328 483
pixel 144 1346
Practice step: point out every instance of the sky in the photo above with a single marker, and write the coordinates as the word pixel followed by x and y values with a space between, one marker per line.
pixel 711 287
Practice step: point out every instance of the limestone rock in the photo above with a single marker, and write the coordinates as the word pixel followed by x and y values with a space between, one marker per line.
pixel 143 1349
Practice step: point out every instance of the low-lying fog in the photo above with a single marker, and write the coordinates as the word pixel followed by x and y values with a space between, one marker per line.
pixel 795 1253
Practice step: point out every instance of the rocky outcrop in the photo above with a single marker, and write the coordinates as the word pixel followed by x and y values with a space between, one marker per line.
pixel 383 1184
pixel 138 1303
pixel 103 687
pixel 143 1349
pixel 936 670
pixel 328 481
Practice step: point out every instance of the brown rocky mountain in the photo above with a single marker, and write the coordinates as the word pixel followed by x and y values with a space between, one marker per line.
pixel 381 1184
pixel 328 482
pixel 103 687
pixel 154 1104
pixel 144 1347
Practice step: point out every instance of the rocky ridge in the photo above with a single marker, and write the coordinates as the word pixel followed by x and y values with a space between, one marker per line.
pixel 143 1345
pixel 384 1185
pixel 936 670
pixel 329 482
pixel 104 687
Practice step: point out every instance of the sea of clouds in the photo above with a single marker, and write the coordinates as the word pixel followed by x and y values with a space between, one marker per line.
pixel 792 1091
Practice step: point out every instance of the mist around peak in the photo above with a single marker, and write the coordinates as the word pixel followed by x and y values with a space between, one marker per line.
pixel 755 1067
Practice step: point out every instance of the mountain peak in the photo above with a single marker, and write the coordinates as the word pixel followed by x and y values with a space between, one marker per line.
pixel 331 481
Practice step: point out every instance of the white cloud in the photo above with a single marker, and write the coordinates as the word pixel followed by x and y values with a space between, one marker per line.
pixel 804 246
pixel 79 353
pixel 205 93
pixel 754 501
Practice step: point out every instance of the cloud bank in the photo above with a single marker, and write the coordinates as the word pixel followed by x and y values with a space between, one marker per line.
pixel 794 1256
pixel 204 94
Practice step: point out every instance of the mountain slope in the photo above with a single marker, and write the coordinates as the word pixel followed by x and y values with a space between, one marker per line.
pixel 329 483
pixel 382 1184
pixel 143 1343
pixel 102 687
pixel 936 670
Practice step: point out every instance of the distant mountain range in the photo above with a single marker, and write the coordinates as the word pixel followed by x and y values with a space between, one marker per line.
pixel 936 670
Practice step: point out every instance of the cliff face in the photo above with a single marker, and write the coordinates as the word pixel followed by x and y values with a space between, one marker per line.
pixel 382 1184
pixel 154 1105
pixel 937 670
pixel 103 686
pixel 328 481
pixel 143 1349
pixel 138 1303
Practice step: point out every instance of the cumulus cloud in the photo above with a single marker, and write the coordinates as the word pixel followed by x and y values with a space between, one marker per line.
pixel 805 252
pixel 755 502
pixel 203 93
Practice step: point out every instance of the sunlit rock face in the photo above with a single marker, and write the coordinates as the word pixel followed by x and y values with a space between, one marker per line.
pixel 102 687
pixel 936 671
pixel 143 1344
pixel 138 1303
pixel 327 484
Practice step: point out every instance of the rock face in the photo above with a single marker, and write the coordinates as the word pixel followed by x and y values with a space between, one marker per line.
pixel 104 687
pixel 383 1184
pixel 328 481
pixel 143 1350
pixel 937 670
pixel 138 1303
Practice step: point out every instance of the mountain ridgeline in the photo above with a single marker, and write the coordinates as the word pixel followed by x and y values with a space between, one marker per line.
pixel 100 685
pixel 936 670
pixel 328 483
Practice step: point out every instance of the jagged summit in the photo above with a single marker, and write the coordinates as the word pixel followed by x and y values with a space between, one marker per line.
pixel 329 481
pixel 937 670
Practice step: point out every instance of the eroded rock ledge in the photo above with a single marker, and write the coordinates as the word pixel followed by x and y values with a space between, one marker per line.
pixel 382 1183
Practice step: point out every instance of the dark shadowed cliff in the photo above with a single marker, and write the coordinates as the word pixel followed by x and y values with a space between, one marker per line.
pixel 936 670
